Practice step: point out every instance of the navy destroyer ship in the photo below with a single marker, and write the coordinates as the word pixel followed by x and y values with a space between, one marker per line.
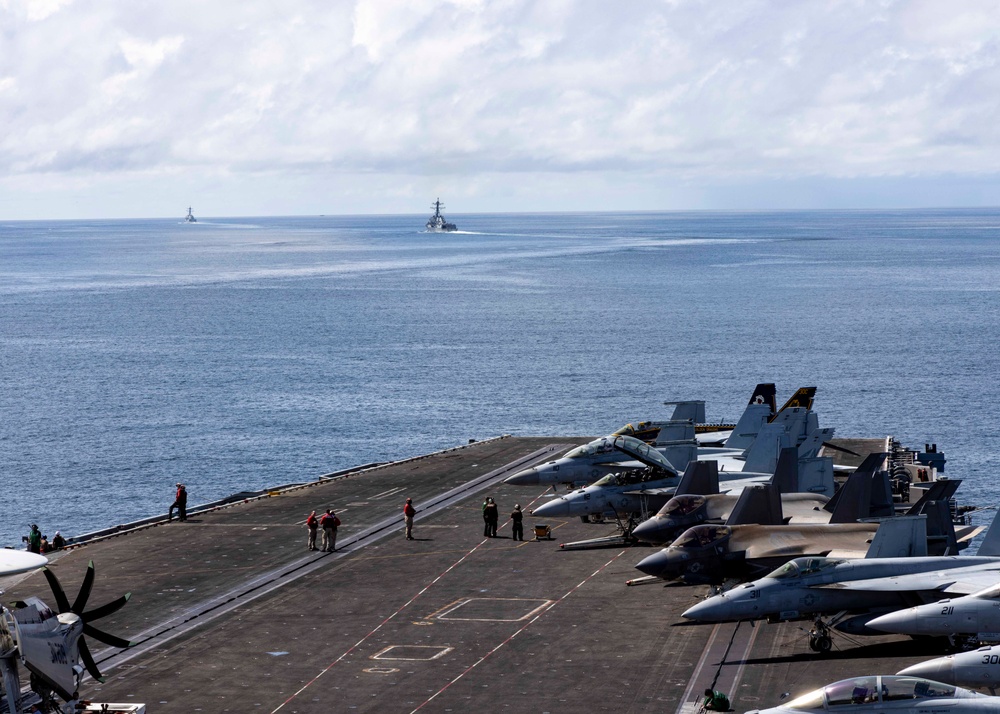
pixel 437 222
pixel 189 218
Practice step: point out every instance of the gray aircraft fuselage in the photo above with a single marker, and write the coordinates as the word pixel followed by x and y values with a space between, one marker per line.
pixel 808 588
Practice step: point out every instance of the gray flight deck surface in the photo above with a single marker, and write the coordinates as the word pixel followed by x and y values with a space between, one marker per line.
pixel 231 613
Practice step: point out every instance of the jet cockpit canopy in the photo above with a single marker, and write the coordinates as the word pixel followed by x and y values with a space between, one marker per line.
pixel 643 452
pixel 871 690
pixel 804 566
pixel 682 505
pixel 593 448
pixel 700 537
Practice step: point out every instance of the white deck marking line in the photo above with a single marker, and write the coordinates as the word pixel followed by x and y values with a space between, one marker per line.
pixel 383 623
pixel 519 631
pixel 685 698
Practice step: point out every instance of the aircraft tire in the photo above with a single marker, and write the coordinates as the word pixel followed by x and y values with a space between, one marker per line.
pixel 821 644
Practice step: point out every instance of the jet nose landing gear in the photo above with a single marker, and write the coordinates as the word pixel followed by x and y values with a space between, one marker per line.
pixel 819 637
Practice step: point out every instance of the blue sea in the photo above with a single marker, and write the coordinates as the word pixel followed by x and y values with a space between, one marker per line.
pixel 233 354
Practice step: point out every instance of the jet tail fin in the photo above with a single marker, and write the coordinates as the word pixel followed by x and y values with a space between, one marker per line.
pixel 786 473
pixel 816 476
pixel 692 409
pixel 701 478
pixel 814 440
pixel 991 541
pixel 680 454
pixel 760 503
pixel 899 537
pixel 940 528
pixel 762 456
pixel 881 505
pixel 759 410
pixel 803 397
pixel 941 490
pixel 853 500
pixel 675 430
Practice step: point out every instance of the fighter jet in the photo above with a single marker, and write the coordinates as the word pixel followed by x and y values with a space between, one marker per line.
pixel 888 693
pixel 711 434
pixel 639 492
pixel 618 493
pixel 852 592
pixel 742 548
pixel 676 441
pixel 802 498
pixel 973 616
pixel 979 669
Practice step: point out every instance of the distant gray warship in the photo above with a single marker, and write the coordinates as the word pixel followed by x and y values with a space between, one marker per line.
pixel 437 222
pixel 190 216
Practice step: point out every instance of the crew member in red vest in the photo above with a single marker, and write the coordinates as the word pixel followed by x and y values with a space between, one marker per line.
pixel 408 513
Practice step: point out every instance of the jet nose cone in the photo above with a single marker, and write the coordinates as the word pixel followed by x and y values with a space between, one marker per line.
pixel 528 477
pixel 904 622
pixel 550 509
pixel 714 609
pixel 650 531
pixel 656 564
pixel 941 669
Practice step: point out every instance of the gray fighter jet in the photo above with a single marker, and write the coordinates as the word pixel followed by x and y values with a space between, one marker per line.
pixel 633 492
pixel 972 616
pixel 852 592
pixel 888 693
pixel 596 459
pixel 979 669
pixel 708 434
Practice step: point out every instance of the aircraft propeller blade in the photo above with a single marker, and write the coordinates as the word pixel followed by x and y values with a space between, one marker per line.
pixel 62 603
pixel 88 661
pixel 104 610
pixel 106 638
pixel 85 588
pixel 828 445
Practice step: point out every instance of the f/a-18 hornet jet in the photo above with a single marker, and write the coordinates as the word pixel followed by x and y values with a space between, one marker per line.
pixel 853 592
pixel 979 669
pixel 707 434
pixel 888 693
pixel 676 441
pixel 632 492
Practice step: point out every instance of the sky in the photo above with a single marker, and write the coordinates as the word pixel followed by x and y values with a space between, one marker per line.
pixel 130 108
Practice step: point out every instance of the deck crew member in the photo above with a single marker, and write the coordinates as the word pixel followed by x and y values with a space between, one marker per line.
pixel 408 513
pixel 329 522
pixel 492 516
pixel 716 701
pixel 180 503
pixel 33 539
pixel 516 526
pixel 312 523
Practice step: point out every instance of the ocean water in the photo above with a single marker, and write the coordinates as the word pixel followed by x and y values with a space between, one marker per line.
pixel 233 354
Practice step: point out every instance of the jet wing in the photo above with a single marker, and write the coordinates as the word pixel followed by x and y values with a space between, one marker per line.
pixel 960 581
pixel 793 542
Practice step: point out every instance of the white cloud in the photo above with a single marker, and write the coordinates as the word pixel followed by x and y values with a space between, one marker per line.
pixel 554 94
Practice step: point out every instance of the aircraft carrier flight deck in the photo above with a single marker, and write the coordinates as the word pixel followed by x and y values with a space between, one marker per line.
pixel 231 613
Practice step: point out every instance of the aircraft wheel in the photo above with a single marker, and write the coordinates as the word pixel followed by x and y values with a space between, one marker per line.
pixel 823 644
